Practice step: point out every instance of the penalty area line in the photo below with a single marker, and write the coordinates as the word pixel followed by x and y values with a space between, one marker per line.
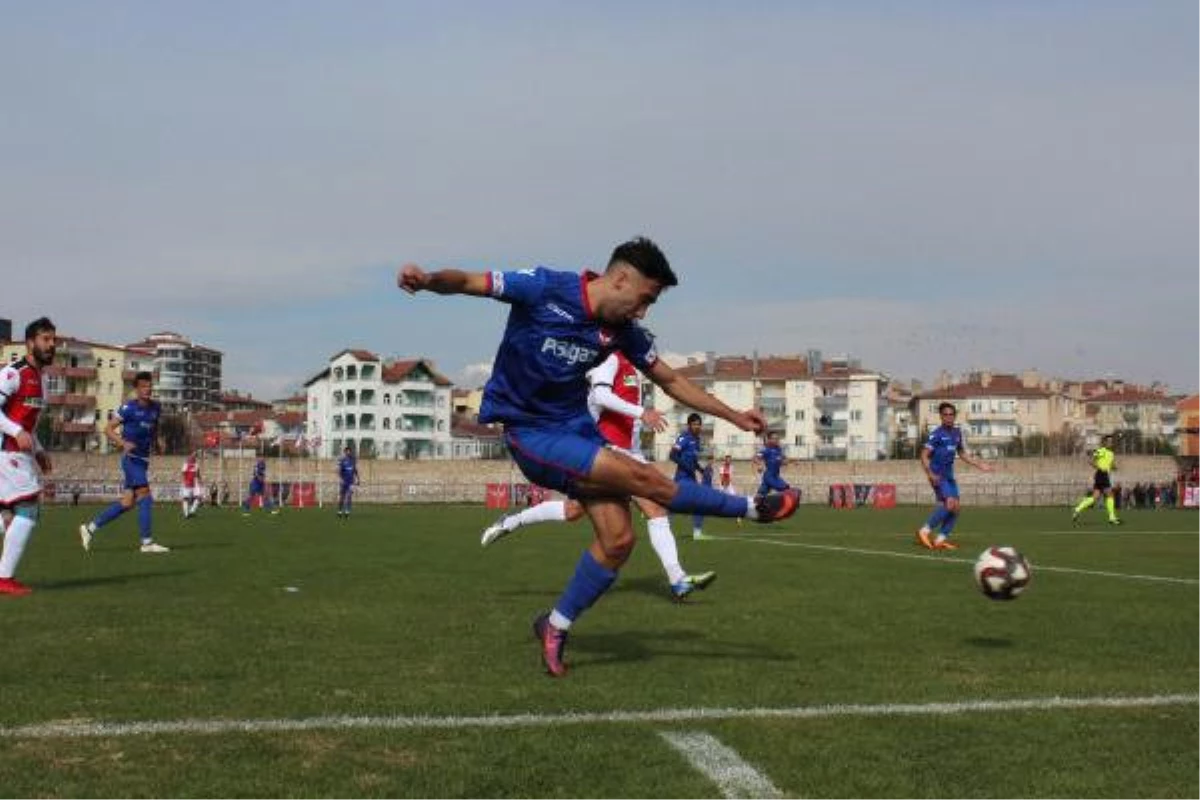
pixel 67 729
pixel 933 559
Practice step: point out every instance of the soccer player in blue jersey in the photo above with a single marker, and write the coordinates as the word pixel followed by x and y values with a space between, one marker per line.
pixel 685 454
pixel 137 423
pixel 348 474
pixel 945 442
pixel 560 325
pixel 771 460
pixel 258 488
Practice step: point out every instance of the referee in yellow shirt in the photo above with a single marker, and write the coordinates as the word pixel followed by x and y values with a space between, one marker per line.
pixel 1104 460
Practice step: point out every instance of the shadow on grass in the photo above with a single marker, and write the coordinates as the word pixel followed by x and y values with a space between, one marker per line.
pixel 644 645
pixel 84 583
pixel 990 642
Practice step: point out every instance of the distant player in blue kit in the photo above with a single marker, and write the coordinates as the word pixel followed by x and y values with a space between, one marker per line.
pixel 771 460
pixel 560 325
pixel 137 421
pixel 937 458
pixel 258 488
pixel 685 454
pixel 348 475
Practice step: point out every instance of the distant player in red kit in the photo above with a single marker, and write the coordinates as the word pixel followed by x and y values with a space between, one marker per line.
pixel 190 491
pixel 22 398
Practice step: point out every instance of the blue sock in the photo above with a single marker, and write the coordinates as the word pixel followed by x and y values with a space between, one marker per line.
pixel 936 518
pixel 144 507
pixel 707 501
pixel 948 525
pixel 108 515
pixel 589 582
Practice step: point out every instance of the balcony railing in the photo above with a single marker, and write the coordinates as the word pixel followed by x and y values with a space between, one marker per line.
pixel 831 402
pixel 71 400
pixel 87 373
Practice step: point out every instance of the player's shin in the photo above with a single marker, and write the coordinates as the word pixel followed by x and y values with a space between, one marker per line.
pixel 590 581
pixel 663 542
pixel 16 535
pixel 145 515
pixel 699 499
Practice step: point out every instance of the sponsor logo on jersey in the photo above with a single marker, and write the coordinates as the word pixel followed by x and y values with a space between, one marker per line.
pixel 570 352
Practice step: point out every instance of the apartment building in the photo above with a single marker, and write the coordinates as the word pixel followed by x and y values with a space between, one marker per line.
pixel 823 409
pixel 86 384
pixel 995 409
pixel 187 375
pixel 394 409
pixel 1122 407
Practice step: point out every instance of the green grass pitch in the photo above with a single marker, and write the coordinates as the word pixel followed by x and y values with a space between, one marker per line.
pixel 397 618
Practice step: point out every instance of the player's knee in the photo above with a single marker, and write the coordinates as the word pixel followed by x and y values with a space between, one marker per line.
pixel 573 510
pixel 618 548
pixel 652 484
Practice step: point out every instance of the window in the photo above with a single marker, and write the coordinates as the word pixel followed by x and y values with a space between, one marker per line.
pixel 798 441
pixel 337 373
pixel 856 415
pixel 387 424
pixel 800 416
pixel 387 398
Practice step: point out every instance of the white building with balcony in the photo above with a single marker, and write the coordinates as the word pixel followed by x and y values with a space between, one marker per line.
pixel 823 410
pixel 389 410
pixel 187 375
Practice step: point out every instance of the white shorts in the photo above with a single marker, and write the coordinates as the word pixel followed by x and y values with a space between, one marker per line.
pixel 20 478
pixel 636 456
pixel 191 492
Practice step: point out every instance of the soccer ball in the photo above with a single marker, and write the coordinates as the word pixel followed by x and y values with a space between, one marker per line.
pixel 1002 573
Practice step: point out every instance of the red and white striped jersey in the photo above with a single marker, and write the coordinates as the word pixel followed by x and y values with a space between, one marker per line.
pixel 726 473
pixel 190 472
pixel 22 398
pixel 616 427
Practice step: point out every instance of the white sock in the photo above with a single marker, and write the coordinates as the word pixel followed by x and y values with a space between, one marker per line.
pixel 18 533
pixel 663 542
pixel 559 621
pixel 751 509
pixel 184 506
pixel 549 511
pixel 194 506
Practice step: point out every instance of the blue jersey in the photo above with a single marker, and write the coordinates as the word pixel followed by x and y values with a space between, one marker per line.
pixel 552 338
pixel 772 459
pixel 139 425
pixel 944 444
pixel 686 455
pixel 347 469
pixel 260 471
pixel 706 475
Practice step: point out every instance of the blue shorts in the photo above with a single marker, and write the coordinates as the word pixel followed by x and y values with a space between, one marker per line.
pixel 556 457
pixel 774 482
pixel 135 471
pixel 946 488
pixel 256 487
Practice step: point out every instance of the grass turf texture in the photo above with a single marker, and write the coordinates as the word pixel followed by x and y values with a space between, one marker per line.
pixel 400 612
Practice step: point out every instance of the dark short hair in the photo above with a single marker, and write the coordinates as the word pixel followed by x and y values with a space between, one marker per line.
pixel 644 256
pixel 693 417
pixel 143 376
pixel 39 325
pixel 943 406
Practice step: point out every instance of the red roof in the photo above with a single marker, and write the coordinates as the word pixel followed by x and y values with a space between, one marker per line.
pixel 998 386
pixel 1130 394
pixel 397 371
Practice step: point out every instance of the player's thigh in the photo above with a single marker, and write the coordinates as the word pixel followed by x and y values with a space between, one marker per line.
pixel 616 473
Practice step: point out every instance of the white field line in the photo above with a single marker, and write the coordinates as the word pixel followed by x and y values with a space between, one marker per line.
pixel 722 765
pixel 82 728
pixel 927 557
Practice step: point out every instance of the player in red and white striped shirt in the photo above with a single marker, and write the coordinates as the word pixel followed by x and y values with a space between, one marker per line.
pixel 22 398
pixel 615 403
pixel 190 491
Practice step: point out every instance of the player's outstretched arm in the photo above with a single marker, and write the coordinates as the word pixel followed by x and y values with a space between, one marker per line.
pixel 691 395
pixel 412 279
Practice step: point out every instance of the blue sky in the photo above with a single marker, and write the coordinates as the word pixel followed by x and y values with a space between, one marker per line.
pixel 924 186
